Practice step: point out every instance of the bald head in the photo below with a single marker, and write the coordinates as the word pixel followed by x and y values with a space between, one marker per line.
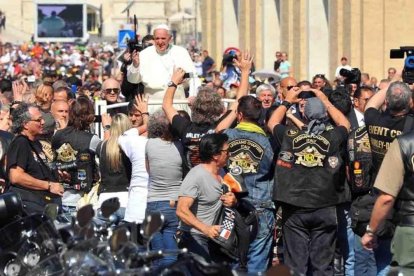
pixel 111 90
pixel 285 83
pixel 60 110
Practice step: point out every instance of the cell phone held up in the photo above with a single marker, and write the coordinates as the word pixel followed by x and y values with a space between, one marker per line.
pixel 306 95
pixel 188 75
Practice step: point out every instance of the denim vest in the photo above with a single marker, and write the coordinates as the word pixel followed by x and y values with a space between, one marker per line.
pixel 251 154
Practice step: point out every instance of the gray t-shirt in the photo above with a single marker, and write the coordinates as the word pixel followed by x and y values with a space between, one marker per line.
pixel 165 169
pixel 206 191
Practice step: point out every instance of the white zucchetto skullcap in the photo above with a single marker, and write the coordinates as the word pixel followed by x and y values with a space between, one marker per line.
pixel 162 27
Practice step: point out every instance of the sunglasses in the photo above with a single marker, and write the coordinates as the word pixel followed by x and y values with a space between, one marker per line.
pixel 37 120
pixel 110 90
pixel 321 76
pixel 290 87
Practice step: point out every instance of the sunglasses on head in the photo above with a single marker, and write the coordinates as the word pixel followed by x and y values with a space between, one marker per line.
pixel 110 90
pixel 321 76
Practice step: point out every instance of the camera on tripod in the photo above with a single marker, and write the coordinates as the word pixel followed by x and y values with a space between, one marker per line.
pixel 408 71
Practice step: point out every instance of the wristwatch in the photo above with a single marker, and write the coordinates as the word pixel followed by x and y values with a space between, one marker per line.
pixel 171 84
pixel 107 127
pixel 286 104
pixel 369 231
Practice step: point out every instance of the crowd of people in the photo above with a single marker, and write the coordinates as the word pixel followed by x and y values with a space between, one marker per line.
pixel 284 154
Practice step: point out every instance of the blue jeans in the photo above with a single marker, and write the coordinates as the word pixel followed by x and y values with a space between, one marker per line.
pixel 346 237
pixel 259 255
pixel 164 239
pixel 376 262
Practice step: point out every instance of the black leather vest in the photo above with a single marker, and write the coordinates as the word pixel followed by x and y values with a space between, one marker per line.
pixel 72 154
pixel 405 200
pixel 310 169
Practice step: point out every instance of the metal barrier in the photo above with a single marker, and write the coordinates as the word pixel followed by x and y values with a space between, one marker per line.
pixel 101 107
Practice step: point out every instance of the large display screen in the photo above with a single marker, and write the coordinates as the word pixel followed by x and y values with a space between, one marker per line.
pixel 59 21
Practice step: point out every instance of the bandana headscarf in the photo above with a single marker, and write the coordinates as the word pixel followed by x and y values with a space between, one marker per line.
pixel 315 111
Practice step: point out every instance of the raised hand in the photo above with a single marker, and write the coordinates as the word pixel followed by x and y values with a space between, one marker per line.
pixel 135 58
pixel 244 63
pixel 178 76
pixel 141 103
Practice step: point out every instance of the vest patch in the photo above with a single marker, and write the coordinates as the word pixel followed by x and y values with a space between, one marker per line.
pixel 310 157
pixel 66 153
pixel 310 150
pixel 292 132
pixel 363 144
pixel 286 156
pixel 412 161
pixel 246 154
pixel 318 141
pixel 47 149
pixel 333 162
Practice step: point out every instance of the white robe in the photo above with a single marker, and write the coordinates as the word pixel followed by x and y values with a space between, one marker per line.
pixel 155 71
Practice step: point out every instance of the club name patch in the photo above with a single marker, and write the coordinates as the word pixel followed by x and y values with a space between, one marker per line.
pixel 310 151
pixel 246 154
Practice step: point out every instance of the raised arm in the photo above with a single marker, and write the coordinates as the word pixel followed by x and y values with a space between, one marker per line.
pixel 280 112
pixel 141 104
pixel 133 72
pixel 167 104
pixel 337 116
pixel 245 65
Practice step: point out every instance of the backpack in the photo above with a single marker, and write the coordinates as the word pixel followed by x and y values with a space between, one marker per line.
pixel 360 173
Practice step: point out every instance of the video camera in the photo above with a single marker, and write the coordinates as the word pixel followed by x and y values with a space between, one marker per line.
pixel 134 44
pixel 351 76
pixel 408 71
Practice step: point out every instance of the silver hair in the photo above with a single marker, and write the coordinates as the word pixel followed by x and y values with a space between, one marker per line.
pixel 159 127
pixel 20 115
pixel 264 87
pixel 398 97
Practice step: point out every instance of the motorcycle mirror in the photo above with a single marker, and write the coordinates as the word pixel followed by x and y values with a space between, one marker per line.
pixel 110 206
pixel 85 215
pixel 152 224
pixel 10 207
pixel 51 210
pixel 119 237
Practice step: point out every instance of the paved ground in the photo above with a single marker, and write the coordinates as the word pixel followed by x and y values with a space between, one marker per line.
pixel 13 35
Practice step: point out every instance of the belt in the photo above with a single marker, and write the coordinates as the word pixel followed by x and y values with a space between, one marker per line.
pixel 406 221
pixel 404 204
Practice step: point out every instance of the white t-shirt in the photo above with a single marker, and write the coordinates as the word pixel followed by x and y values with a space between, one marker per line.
pixel 134 147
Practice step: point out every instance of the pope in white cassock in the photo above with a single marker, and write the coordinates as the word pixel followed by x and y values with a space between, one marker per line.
pixel 155 65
